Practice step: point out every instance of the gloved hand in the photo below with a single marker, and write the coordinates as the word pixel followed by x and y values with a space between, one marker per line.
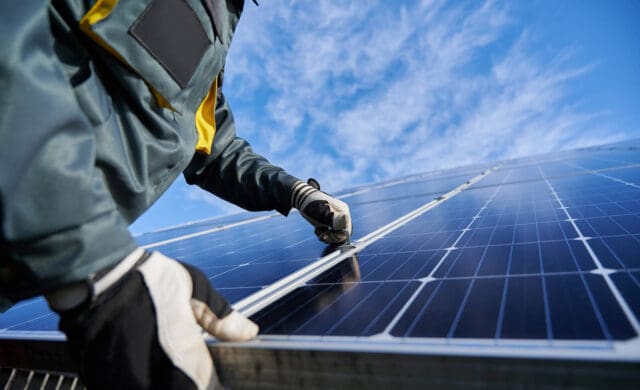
pixel 139 325
pixel 328 215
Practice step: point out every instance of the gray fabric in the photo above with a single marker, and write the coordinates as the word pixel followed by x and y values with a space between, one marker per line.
pixel 86 149
pixel 233 171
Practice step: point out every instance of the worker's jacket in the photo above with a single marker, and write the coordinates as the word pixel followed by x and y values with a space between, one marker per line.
pixel 102 107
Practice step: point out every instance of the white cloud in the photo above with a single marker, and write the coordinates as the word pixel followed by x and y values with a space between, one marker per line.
pixel 368 90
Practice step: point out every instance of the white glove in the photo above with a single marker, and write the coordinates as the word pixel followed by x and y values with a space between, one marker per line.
pixel 328 215
pixel 140 325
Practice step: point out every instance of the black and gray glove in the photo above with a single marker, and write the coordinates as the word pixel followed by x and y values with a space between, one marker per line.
pixel 140 325
pixel 328 215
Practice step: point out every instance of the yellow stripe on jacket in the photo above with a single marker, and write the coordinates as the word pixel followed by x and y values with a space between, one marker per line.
pixel 206 121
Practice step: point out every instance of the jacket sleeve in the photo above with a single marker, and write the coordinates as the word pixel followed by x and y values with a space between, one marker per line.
pixel 237 174
pixel 59 222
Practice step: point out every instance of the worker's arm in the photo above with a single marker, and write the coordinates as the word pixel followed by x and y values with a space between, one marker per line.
pixel 237 174
pixel 234 172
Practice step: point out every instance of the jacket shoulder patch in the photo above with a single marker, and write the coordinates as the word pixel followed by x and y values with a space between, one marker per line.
pixel 172 33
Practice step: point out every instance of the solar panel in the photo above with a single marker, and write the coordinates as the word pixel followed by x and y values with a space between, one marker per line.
pixel 542 252
pixel 535 257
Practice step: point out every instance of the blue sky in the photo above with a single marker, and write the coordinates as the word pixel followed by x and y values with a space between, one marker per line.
pixel 357 92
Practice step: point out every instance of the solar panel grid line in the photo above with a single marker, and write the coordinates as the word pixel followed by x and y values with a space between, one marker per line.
pixel 588 290
pixel 543 279
pixel 386 200
pixel 618 180
pixel 429 277
pixel 339 321
pixel 557 176
pixel 503 299
pixel 379 233
pixel 474 278
pixel 599 173
pixel 187 224
pixel 419 178
pixel 545 294
pixel 620 164
pixel 627 233
pixel 408 190
pixel 609 158
pixel 353 193
pixel 162 234
pixel 425 176
pixel 27 321
pixel 513 276
pixel 448 276
pixel 271 293
pixel 208 231
pixel 594 306
pixel 601 270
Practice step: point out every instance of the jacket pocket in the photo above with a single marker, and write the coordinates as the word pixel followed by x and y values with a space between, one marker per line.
pixel 162 41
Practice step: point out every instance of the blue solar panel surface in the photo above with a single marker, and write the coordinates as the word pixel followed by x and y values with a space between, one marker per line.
pixel 537 251
pixel 197 227
pixel 540 250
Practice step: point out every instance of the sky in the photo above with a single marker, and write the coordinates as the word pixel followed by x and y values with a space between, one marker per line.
pixel 357 92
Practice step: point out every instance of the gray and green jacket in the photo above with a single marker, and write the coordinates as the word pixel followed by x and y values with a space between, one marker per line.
pixel 102 105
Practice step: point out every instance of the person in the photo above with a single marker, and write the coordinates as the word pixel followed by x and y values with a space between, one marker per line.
pixel 102 107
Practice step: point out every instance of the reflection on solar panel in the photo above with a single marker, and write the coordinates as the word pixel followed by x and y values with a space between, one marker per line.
pixel 535 258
